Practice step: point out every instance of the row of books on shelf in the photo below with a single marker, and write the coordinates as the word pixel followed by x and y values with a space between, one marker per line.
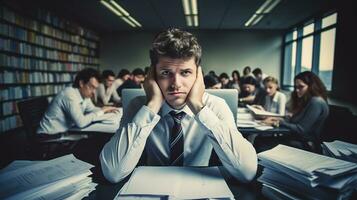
pixel 64 24
pixel 35 64
pixel 9 123
pixel 33 37
pixel 31 50
pixel 9 108
pixel 12 77
pixel 23 92
pixel 10 16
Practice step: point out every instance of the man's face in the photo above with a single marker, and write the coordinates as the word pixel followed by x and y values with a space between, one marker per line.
pixel 175 78
pixel 138 79
pixel 109 81
pixel 249 88
pixel 87 90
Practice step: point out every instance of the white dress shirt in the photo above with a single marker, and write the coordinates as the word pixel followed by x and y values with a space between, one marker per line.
pixel 66 110
pixel 105 94
pixel 276 104
pixel 212 128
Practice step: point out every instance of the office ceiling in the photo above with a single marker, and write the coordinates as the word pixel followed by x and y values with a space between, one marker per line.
pixel 158 14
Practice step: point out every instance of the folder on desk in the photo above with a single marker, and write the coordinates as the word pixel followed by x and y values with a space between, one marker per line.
pixel 262 113
pixel 175 183
pixel 289 171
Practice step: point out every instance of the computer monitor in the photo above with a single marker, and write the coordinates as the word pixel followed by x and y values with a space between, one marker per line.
pixel 229 95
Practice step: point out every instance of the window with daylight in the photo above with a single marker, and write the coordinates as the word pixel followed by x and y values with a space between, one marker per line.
pixel 310 47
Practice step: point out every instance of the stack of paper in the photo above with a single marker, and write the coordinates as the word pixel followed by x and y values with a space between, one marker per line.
pixel 291 173
pixel 264 113
pixel 245 119
pixel 175 183
pixel 341 150
pixel 61 178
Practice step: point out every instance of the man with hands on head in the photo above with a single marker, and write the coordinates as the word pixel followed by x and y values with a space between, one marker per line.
pixel 179 124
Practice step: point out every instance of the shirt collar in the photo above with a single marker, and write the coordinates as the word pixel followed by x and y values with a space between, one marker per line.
pixel 275 98
pixel 166 109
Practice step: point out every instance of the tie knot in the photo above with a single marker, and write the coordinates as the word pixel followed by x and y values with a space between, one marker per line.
pixel 177 116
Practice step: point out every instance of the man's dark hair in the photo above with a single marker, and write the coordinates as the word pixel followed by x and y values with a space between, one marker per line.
pixel 138 71
pixel 85 75
pixel 210 81
pixel 249 80
pixel 107 73
pixel 257 71
pixel 123 73
pixel 177 44
pixel 223 75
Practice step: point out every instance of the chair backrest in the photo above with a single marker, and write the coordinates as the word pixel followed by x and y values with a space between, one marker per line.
pixel 31 112
pixel 229 95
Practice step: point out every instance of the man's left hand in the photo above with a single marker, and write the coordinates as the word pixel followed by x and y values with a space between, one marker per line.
pixel 194 98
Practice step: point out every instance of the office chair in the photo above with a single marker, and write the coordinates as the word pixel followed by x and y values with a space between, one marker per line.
pixel 43 146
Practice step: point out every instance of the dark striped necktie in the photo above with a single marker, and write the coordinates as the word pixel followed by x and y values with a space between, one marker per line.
pixel 176 139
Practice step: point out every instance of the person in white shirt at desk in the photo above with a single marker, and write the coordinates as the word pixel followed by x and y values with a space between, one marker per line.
pixel 179 124
pixel 73 106
pixel 106 92
pixel 275 101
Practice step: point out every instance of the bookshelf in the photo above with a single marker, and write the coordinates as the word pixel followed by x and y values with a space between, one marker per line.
pixel 40 54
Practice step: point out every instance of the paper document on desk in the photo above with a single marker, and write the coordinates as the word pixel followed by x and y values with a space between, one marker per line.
pixel 109 118
pixel 53 179
pixel 259 112
pixel 341 150
pixel 175 183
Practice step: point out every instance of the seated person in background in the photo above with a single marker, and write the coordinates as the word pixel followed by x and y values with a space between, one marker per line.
pixel 73 105
pixel 235 80
pixel 259 76
pixel 247 72
pixel 179 124
pixel 138 77
pixel 308 106
pixel 251 94
pixel 212 82
pixel 275 101
pixel 224 78
pixel 123 75
pixel 106 92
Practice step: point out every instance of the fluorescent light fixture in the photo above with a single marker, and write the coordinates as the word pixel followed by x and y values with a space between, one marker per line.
pixel 121 12
pixel 257 19
pixel 272 6
pixel 194 9
pixel 106 4
pixel 249 22
pixel 195 20
pixel 134 21
pixel 120 9
pixel 264 9
pixel 191 12
pixel 128 21
pixel 188 20
pixel 186 7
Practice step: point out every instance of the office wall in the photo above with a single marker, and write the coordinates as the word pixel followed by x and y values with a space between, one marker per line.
pixel 223 51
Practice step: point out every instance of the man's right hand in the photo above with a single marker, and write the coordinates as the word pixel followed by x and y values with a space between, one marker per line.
pixel 153 93
pixel 109 109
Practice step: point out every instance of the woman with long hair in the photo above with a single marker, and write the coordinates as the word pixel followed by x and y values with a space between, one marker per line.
pixel 308 107
pixel 236 80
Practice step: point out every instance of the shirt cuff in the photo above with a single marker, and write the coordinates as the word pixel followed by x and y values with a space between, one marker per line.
pixel 145 117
